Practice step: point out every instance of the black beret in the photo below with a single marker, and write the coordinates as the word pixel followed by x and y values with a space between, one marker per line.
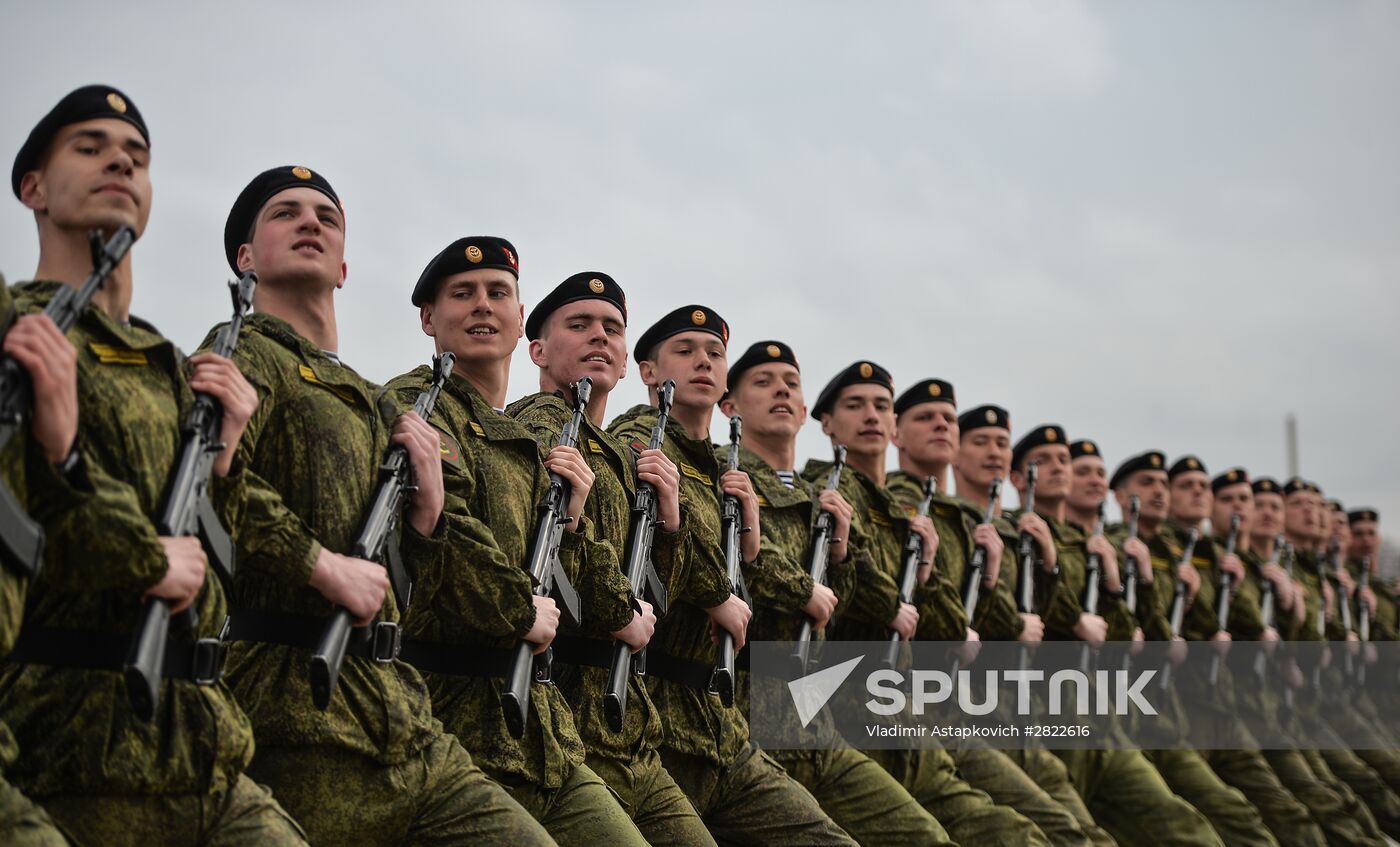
pixel 761 352
pixel 1186 464
pixel 1359 515
pixel 685 319
pixel 1152 460
pixel 1335 506
pixel 984 416
pixel 1295 485
pixel 1084 447
pixel 857 373
pixel 256 194
pixel 925 391
pixel 466 254
pixel 1266 485
pixel 1313 487
pixel 83 104
pixel 1233 476
pixel 1041 435
pixel 589 285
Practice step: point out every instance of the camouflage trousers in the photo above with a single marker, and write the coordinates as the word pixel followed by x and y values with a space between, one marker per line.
pixel 997 774
pixel 1048 772
pixel 243 816
pixel 582 812
pixel 752 801
pixel 1129 798
pixel 23 824
pixel 1285 816
pixel 651 797
pixel 863 798
pixel 1344 819
pixel 437 797
pixel 969 815
pixel 1235 819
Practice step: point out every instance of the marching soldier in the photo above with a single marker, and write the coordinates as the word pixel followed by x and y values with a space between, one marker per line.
pixel 375 766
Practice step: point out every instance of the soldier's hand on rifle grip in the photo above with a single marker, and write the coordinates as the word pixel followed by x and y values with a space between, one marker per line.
pixel 987 536
pixel 184 573
pixel 1231 565
pixel 820 606
pixel 1032 628
pixel 665 477
pixel 52 363
pixel 1300 606
pixel 732 616
pixel 637 634
pixel 1137 550
pixel 1369 598
pixel 424 447
pixel 1345 580
pixel 922 525
pixel 905 621
pixel 1044 541
pixel 737 484
pixel 1091 628
pixel 569 463
pixel 1329 599
pixel 841 515
pixel 1283 588
pixel 357 584
pixel 546 624
pixel 1190 577
pixel 221 378
pixel 1108 561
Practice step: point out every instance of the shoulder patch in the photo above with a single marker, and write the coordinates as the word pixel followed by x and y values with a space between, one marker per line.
pixel 594 446
pixel 695 474
pixel 310 376
pixel 109 354
pixel 878 517
pixel 763 501
pixel 449 448
pixel 637 447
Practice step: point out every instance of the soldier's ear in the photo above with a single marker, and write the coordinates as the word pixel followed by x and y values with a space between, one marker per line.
pixel 647 368
pixel 537 354
pixel 344 271
pixel 727 406
pixel 826 424
pixel 244 257
pixel 31 192
pixel 425 316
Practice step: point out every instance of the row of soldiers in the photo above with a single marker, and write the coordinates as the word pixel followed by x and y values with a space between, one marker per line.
pixel 407 741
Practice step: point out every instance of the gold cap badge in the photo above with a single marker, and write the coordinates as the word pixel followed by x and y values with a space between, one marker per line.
pixel 117 103
pixel 473 254
pixel 697 317
pixel 935 390
pixel 1232 476
pixel 596 286
pixel 1088 447
pixel 866 371
pixel 774 351
pixel 1156 461
pixel 301 173
pixel 1192 463
pixel 991 416
pixel 1050 434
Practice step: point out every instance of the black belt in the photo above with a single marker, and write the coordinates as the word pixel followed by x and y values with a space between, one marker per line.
pixel 688 672
pixel 458 659
pixel 573 650
pixel 380 642
pixel 200 661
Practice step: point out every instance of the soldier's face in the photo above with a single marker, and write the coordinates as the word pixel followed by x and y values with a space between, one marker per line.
pixel 1365 540
pixel 298 239
pixel 929 433
pixel 476 316
pixel 769 398
pixel 1268 515
pixel 1233 500
pixel 1152 493
pixel 1299 517
pixel 1341 528
pixel 1088 483
pixel 96 174
pixel 862 418
pixel 583 338
pixel 983 455
pixel 1191 499
pixel 1321 520
pixel 1052 472
pixel 699 364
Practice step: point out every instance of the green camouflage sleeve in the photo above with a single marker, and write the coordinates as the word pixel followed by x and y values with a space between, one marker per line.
pixel 776 581
pixel 941 614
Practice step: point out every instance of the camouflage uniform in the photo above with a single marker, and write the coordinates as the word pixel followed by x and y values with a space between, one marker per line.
pixel 858 794
pixel 995 618
pixel 880 526
pixel 628 761
pixel 375 767
pixel 104 775
pixel 21 821
pixel 476 600
pixel 742 794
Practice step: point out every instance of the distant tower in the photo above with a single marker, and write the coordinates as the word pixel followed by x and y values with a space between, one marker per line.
pixel 1290 440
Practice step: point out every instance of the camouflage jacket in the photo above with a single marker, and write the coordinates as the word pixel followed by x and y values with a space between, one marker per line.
pixel 995 618
pixel 696 722
pixel 312 450
pixel 1059 596
pixel 1383 624
pixel 1154 599
pixel 101 552
pixel 881 527
pixel 479 594
pixel 602 586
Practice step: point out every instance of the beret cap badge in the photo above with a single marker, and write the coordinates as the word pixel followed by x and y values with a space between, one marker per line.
pixel 1050 434
pixel 1192 463
pixel 1088 448
pixel 866 371
pixel 596 286
pixel 935 390
pixel 117 102
pixel 301 173
pixel 473 254
pixel 1156 461
pixel 774 351
pixel 991 416
pixel 697 317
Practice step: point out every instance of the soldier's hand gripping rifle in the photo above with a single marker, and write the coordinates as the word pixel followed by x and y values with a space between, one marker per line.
pixel 1130 573
pixel 1176 617
pixel 1363 617
pixel 1025 563
pixel 722 680
pixel 977 565
pixel 21 539
pixel 909 573
pixel 641 573
pixel 1268 611
pixel 1224 585
pixel 817 559
pixel 1333 569
pixel 1089 600
pixel 377 542
pixel 547 576
pixel 188 511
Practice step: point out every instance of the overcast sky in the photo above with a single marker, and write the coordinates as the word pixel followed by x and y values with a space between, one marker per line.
pixel 1162 225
